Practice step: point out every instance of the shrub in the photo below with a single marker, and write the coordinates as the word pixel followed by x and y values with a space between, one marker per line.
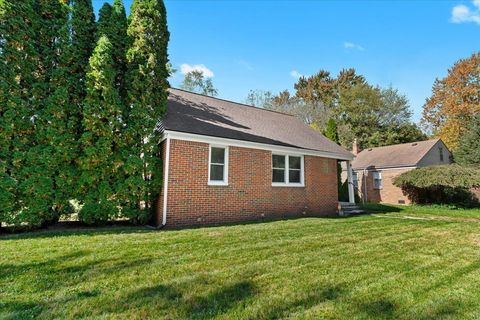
pixel 448 184
pixel 97 213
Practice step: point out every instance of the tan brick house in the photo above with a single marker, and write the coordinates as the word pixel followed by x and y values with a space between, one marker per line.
pixel 229 162
pixel 374 168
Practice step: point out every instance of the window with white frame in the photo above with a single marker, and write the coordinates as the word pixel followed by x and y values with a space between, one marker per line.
pixel 377 180
pixel 287 170
pixel 218 166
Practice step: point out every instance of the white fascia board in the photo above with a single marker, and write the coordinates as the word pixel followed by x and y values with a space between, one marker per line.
pixel 253 145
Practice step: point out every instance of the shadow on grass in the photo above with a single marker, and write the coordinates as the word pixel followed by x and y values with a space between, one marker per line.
pixel 379 208
pixel 40 267
pixel 178 297
pixel 10 310
pixel 311 299
pixel 379 309
pixel 78 231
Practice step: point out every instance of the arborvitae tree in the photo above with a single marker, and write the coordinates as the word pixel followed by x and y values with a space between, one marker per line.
pixel 331 132
pixel 83 41
pixel 43 170
pixel 18 20
pixel 147 92
pixel 103 22
pixel 468 148
pixel 113 24
pixel 101 158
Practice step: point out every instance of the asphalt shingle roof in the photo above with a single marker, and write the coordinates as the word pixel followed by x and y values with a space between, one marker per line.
pixel 204 115
pixel 398 155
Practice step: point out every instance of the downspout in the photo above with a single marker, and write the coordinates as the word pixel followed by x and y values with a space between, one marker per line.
pixel 165 181
pixel 365 185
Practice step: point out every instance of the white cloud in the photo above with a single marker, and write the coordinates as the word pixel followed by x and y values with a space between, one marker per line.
pixel 296 74
pixel 461 13
pixel 186 68
pixel 351 45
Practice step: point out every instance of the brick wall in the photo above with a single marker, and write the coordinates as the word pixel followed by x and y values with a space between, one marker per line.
pixel 249 195
pixel 389 193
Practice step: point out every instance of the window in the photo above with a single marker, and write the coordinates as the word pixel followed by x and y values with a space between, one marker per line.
pixel 294 169
pixel 377 180
pixel 278 169
pixel 355 180
pixel 218 166
pixel 287 170
pixel 440 151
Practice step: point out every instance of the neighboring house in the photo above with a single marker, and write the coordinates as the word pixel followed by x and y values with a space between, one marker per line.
pixel 229 162
pixel 374 168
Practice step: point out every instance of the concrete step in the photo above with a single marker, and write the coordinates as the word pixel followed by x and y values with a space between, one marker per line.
pixel 348 209
pixel 356 211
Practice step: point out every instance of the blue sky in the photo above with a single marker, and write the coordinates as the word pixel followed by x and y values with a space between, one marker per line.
pixel 266 45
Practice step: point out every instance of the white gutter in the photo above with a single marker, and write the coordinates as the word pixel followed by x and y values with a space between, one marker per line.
pixel 165 179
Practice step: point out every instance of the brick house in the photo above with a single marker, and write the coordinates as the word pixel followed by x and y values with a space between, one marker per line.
pixel 229 162
pixel 374 168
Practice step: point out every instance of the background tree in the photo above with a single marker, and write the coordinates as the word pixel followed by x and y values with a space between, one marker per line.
pixel 358 113
pixel 259 98
pixel 147 96
pixel 455 99
pixel 101 158
pixel 373 115
pixel 195 81
pixel 468 148
pixel 314 114
pixel 403 133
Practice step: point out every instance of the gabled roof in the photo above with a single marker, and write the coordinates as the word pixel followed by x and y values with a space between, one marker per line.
pixel 203 115
pixel 398 155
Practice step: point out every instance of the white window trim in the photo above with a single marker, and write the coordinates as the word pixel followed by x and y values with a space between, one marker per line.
pixel 288 183
pixel 225 166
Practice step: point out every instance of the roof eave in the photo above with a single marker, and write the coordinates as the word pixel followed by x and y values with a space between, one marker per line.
pixel 254 145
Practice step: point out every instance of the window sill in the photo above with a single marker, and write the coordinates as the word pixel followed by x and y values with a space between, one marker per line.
pixel 218 183
pixel 292 185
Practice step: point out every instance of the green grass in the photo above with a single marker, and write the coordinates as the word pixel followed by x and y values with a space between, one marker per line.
pixel 433 211
pixel 352 268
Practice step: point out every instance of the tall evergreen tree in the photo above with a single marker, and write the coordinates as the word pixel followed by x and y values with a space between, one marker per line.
pixel 101 160
pixel 44 182
pixel 103 23
pixel 83 41
pixel 331 131
pixel 18 54
pixel 147 94
pixel 113 24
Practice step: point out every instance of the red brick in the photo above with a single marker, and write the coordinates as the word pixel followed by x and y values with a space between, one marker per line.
pixel 249 194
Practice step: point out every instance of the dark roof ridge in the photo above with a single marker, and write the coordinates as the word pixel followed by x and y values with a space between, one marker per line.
pixel 234 102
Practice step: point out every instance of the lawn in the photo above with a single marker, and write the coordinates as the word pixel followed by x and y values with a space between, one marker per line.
pixel 441 212
pixel 363 267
